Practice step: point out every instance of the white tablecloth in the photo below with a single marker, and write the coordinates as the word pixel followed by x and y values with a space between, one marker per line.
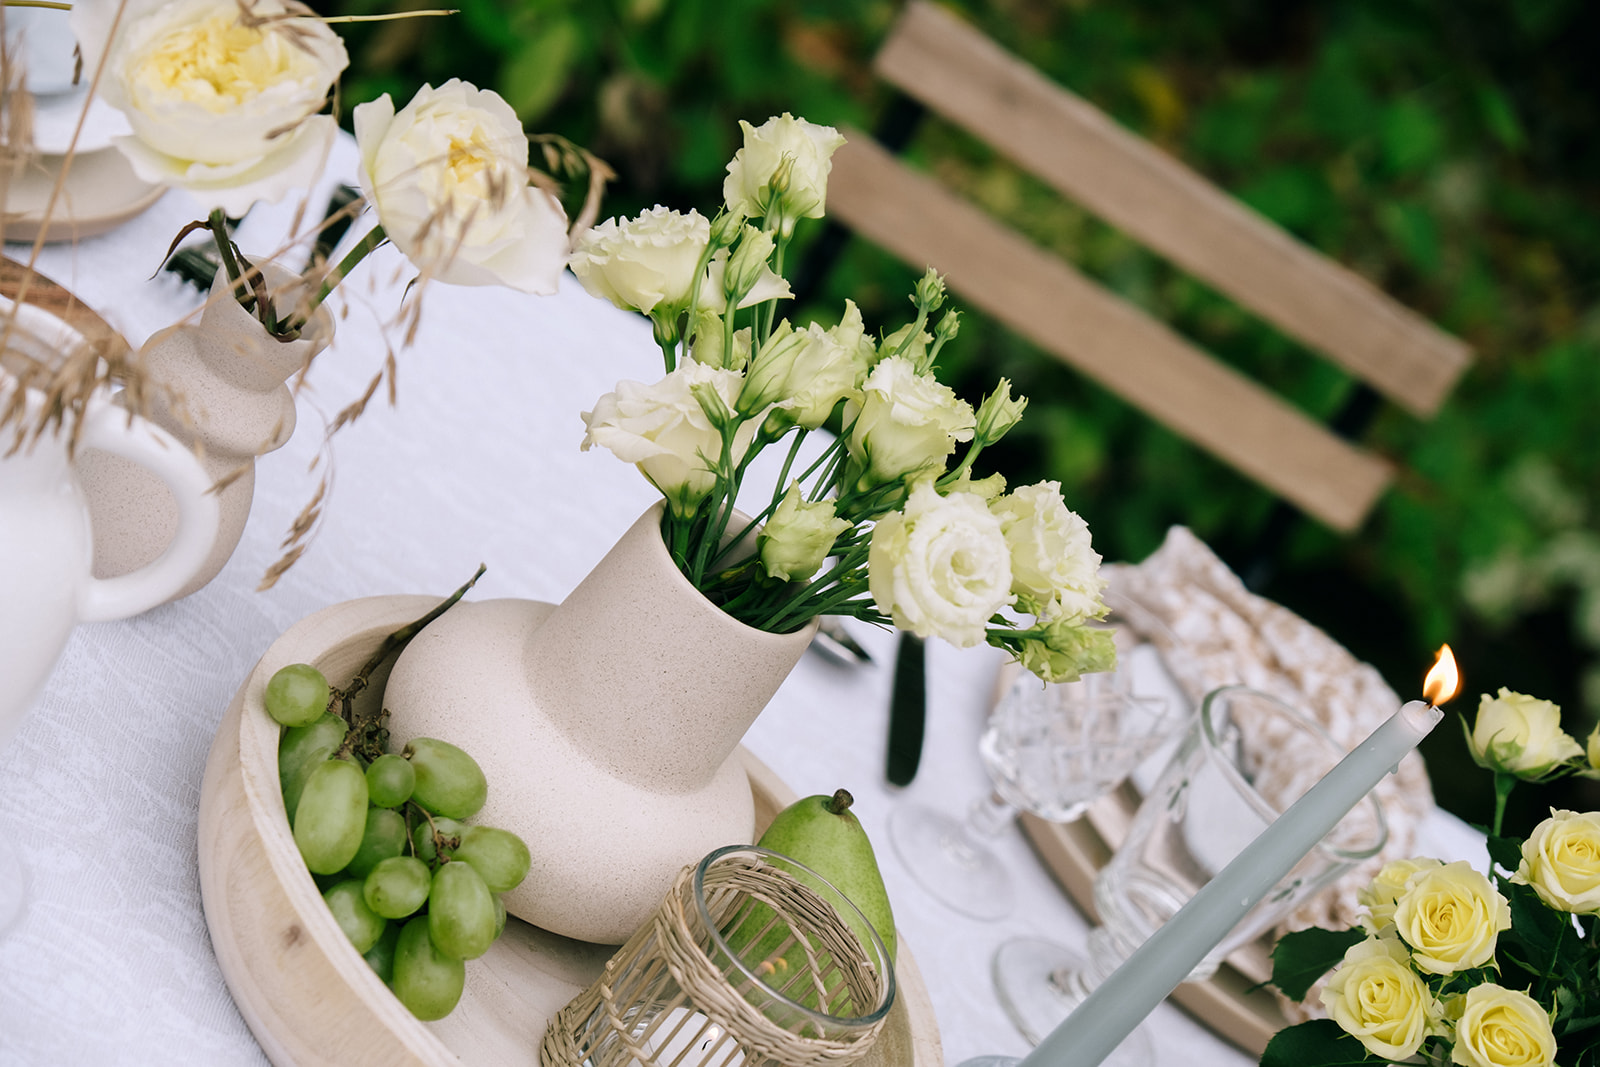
pixel 478 462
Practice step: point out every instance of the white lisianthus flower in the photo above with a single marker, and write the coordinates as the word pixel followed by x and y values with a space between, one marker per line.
pixel 904 422
pixel 448 176
pixel 664 430
pixel 805 372
pixel 782 170
pixel 941 567
pixel 799 536
pixel 769 285
pixel 223 101
pixel 644 263
pixel 1054 568
pixel 1376 997
pixel 1561 860
pixel 1521 735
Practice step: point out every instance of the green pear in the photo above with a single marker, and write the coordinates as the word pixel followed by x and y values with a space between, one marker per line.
pixel 824 834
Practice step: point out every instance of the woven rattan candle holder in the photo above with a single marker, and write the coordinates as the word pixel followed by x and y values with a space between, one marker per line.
pixel 751 960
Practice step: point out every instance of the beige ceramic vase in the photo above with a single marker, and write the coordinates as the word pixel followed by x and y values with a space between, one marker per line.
pixel 219 383
pixel 607 726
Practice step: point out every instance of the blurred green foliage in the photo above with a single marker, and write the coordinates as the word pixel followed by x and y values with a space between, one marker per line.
pixel 1447 150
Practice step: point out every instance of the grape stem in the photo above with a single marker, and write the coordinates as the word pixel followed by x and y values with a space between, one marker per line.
pixel 368 734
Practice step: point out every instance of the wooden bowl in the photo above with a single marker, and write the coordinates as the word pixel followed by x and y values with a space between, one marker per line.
pixel 304 991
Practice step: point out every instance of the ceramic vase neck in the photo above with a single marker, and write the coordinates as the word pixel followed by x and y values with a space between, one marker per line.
pixel 234 344
pixel 657 683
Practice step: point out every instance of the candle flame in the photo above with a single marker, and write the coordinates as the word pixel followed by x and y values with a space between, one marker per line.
pixel 1444 680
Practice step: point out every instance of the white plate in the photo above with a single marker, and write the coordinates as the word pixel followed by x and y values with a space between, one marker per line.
pixel 100 193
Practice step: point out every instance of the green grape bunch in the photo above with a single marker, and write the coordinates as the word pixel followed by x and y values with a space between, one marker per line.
pixel 413 885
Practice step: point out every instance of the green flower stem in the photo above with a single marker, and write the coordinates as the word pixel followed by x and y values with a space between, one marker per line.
pixel 370 241
pixel 1504 782
pixel 218 224
pixel 687 339
pixel 769 309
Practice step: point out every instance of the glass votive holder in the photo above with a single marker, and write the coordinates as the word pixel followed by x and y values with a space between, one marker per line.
pixel 751 960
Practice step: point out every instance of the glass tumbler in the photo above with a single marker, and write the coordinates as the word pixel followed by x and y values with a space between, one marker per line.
pixel 1247 758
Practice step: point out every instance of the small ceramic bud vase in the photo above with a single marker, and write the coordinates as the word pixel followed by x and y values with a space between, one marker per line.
pixel 608 727
pixel 219 384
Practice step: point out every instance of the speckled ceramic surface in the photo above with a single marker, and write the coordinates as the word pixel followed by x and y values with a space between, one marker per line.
pixel 630 698
pixel 218 382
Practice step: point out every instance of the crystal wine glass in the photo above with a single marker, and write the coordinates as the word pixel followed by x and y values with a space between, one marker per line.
pixel 1049 749
pixel 1214 797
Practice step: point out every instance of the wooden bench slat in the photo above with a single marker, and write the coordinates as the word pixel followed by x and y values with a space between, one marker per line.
pixel 958 72
pixel 1078 321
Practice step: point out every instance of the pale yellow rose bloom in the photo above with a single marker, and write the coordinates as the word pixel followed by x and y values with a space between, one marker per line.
pixel 220 104
pixel 1592 749
pixel 1501 1027
pixel 940 568
pixel 1451 916
pixel 1377 998
pixel 1380 896
pixel 799 536
pixel 1561 860
pixel 1521 735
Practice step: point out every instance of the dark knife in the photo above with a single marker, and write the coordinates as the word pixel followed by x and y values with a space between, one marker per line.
pixel 908 710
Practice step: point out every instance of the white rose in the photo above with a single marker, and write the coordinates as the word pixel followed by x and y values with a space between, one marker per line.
pixel 663 430
pixel 1520 735
pixel 782 170
pixel 222 102
pixel 1053 564
pixel 1451 916
pixel 904 421
pixel 799 536
pixel 1561 860
pixel 940 568
pixel 1382 894
pixel 1502 1027
pixel 643 263
pixel 448 177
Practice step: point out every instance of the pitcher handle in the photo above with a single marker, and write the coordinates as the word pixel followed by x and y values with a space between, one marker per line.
pixel 199 519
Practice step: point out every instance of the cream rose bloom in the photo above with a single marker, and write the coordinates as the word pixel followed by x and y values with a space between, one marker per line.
pixel 1451 916
pixel 1501 1027
pixel 663 430
pixel 782 170
pixel 1520 734
pixel 1382 894
pixel 221 104
pixel 941 567
pixel 1377 998
pixel 644 263
pixel 799 536
pixel 448 176
pixel 1054 569
pixel 904 421
pixel 1561 860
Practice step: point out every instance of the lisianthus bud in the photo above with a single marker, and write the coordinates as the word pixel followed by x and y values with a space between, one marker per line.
pixel 1521 735
pixel 1066 651
pixel 906 342
pixel 799 536
pixel 768 285
pixel 711 346
pixel 769 369
pixel 929 293
pixel 747 265
pixel 998 413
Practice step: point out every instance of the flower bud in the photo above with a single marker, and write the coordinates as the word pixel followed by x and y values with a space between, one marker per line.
pixel 768 373
pixel 799 536
pixel 998 413
pixel 929 293
pixel 747 265
pixel 1521 735
pixel 711 345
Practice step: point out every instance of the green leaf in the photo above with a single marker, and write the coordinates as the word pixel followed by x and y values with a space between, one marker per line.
pixel 1319 1043
pixel 536 73
pixel 1300 958
pixel 1538 931
pixel 1506 852
pixel 1412 136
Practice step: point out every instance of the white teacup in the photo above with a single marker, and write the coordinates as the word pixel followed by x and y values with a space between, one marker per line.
pixel 46 546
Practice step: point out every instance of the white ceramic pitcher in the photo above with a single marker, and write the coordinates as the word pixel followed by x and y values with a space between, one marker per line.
pixel 46 546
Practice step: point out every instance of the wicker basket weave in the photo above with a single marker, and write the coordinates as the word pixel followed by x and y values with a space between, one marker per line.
pixel 731 970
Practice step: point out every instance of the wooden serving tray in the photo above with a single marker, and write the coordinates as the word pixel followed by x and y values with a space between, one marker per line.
pixel 307 995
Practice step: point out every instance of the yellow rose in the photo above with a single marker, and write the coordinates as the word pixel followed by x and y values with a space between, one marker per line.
pixel 1500 1027
pixel 1377 998
pixel 1381 896
pixel 1520 735
pixel 1592 749
pixel 1561 860
pixel 1451 916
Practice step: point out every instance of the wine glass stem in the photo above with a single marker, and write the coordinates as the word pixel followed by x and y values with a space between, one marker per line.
pixel 990 816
